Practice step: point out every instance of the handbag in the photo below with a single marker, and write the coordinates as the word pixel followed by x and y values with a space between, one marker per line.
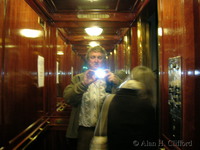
pixel 99 140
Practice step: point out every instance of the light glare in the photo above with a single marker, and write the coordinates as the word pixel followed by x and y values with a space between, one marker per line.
pixel 100 73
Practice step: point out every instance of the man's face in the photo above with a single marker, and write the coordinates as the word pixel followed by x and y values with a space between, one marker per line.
pixel 96 60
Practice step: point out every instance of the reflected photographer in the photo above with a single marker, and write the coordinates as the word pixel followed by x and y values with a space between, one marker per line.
pixel 86 94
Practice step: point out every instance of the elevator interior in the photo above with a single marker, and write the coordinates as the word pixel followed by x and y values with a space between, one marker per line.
pixel 161 34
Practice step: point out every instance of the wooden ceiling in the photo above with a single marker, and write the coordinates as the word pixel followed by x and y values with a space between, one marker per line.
pixel 71 17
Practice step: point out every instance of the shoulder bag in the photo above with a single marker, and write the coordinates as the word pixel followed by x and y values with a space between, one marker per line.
pixel 99 141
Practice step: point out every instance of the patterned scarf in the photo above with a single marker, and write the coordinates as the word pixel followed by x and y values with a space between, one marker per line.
pixel 91 104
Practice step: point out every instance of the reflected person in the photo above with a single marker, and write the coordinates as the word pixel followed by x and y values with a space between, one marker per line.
pixel 86 94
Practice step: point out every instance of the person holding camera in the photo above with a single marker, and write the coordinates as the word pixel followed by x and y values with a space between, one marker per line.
pixel 86 94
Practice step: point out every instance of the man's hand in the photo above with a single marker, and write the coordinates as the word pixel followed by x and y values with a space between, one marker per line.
pixel 111 77
pixel 89 77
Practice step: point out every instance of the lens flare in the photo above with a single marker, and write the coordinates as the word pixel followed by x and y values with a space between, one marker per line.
pixel 100 73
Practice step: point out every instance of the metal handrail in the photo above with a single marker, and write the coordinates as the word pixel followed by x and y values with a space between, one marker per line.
pixel 32 136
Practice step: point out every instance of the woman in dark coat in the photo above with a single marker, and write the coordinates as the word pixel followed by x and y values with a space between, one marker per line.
pixel 128 118
pixel 131 115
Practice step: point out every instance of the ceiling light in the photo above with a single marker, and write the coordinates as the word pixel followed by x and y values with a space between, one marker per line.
pixel 93 44
pixel 30 33
pixel 94 31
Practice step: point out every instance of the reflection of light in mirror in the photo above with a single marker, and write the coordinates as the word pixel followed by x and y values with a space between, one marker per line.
pixel 37 46
pixel 31 33
pixel 190 72
pixel 10 46
pixel 125 39
pixel 93 44
pixel 197 72
pixel 60 53
pixel 100 73
pixel 115 51
pixel 138 33
pixel 159 31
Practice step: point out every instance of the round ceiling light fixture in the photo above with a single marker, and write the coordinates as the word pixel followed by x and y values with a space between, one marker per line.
pixel 94 31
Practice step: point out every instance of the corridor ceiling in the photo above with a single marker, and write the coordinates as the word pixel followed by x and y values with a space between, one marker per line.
pixel 71 17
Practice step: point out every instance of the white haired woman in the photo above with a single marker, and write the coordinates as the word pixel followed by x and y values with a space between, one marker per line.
pixel 128 121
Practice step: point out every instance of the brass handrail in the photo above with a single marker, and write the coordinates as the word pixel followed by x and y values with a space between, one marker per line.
pixel 28 139
pixel 33 137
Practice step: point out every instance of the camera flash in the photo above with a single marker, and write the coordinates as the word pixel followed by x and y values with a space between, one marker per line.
pixel 100 73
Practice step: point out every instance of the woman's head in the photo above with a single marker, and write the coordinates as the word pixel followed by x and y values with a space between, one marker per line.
pixel 145 76
pixel 96 57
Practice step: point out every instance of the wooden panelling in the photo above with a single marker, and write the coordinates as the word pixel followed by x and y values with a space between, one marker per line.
pixel 127 53
pixel 69 61
pixel 177 20
pixel 22 101
pixel 134 48
pixel 120 56
pixel 196 5
pixel 64 67
pixel 50 55
pixel 110 62
pixel 2 10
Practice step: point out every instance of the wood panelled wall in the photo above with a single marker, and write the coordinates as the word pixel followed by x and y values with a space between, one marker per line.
pixel 134 48
pixel 180 24
pixel 1 60
pixel 22 102
pixel 125 55
pixel 67 66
